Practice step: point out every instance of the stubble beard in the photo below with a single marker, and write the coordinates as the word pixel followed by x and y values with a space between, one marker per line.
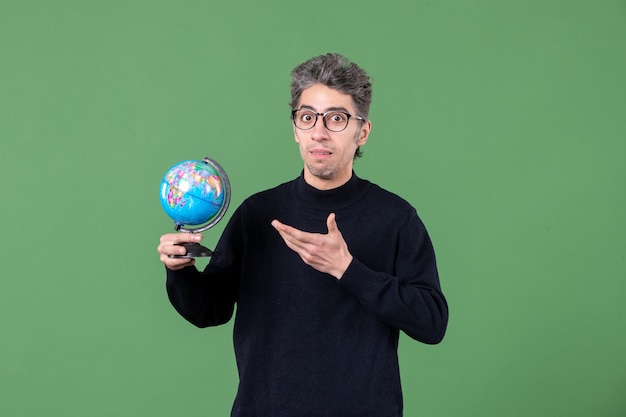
pixel 325 172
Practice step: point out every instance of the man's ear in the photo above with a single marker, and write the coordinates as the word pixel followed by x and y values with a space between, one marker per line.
pixel 364 133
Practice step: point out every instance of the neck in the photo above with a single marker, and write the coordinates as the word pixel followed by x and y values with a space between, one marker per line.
pixel 330 200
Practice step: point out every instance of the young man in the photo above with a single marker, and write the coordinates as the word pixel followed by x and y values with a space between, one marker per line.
pixel 325 270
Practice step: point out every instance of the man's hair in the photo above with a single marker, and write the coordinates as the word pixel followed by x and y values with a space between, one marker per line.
pixel 337 72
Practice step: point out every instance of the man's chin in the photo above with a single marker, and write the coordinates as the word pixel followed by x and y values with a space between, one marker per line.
pixel 322 172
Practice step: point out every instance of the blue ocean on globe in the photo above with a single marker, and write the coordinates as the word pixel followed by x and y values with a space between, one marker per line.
pixel 192 192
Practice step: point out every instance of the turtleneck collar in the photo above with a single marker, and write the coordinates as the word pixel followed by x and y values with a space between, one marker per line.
pixel 334 199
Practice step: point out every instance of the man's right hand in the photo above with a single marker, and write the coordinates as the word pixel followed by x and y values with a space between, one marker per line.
pixel 167 246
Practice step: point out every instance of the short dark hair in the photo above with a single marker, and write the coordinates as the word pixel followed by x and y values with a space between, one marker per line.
pixel 335 71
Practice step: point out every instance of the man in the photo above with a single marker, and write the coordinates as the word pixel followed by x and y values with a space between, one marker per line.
pixel 325 270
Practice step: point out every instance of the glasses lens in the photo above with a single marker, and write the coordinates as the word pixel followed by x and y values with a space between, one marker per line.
pixel 304 119
pixel 336 121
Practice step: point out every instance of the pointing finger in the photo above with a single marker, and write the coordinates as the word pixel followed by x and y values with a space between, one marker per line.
pixel 284 229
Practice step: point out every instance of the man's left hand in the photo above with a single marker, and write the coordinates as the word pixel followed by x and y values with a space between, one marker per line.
pixel 327 253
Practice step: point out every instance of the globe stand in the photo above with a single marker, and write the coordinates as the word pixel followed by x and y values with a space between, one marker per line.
pixel 193 249
pixel 196 250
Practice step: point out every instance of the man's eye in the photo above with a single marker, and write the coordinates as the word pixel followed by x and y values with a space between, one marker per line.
pixel 307 117
pixel 337 117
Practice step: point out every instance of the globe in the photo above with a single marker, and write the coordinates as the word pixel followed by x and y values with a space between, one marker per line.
pixel 194 193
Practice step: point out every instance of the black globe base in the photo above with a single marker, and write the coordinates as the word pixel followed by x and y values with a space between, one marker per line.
pixel 194 250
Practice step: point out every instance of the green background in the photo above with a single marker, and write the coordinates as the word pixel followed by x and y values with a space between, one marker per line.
pixel 502 122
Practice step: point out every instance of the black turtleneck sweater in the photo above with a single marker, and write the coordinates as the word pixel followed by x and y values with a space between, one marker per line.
pixel 307 344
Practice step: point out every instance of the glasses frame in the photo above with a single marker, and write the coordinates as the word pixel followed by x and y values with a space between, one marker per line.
pixel 317 115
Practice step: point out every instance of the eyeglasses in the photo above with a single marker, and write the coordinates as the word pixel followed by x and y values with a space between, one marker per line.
pixel 334 120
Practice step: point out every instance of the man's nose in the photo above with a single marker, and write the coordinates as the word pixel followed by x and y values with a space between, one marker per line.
pixel 319 131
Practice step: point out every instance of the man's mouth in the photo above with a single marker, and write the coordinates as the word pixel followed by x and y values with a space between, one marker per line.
pixel 320 152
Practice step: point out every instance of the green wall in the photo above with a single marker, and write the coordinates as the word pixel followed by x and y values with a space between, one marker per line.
pixel 503 122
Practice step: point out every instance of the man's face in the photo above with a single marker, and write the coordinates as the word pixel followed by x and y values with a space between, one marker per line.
pixel 328 156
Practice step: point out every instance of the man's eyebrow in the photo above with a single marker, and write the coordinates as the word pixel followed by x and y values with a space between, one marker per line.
pixel 338 108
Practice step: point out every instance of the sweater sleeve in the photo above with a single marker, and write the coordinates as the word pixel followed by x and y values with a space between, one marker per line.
pixel 410 299
pixel 208 298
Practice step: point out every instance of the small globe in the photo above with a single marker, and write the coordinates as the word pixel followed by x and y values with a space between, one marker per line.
pixel 194 193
